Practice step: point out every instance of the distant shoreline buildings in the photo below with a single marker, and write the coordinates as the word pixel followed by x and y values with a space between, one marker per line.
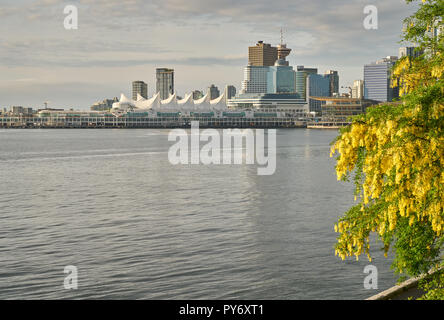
pixel 271 83
pixel 271 87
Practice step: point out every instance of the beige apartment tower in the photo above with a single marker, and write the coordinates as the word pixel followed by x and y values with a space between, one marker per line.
pixel 140 87
pixel 262 54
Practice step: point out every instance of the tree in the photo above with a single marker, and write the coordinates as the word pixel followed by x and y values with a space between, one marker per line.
pixel 395 155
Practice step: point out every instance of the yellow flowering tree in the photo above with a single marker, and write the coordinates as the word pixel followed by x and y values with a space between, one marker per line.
pixel 395 155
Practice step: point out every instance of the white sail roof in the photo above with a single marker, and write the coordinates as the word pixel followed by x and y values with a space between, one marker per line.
pixel 124 103
pixel 186 104
pixel 153 102
pixel 124 99
pixel 140 98
pixel 219 103
pixel 172 104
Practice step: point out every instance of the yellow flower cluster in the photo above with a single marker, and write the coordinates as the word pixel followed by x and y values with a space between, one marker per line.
pixel 411 73
pixel 402 159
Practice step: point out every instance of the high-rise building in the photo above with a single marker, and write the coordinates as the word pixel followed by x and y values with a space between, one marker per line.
pixel 165 82
pixel 262 54
pixel 140 87
pixel 317 86
pixel 301 76
pixel 412 52
pixel 377 80
pixel 334 81
pixel 269 87
pixel 255 79
pixel 230 91
pixel 280 78
pixel 213 92
pixel 358 89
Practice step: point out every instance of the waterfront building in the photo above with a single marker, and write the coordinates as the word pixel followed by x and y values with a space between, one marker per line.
pixel 336 111
pixel 164 82
pixel 317 86
pixel 290 104
pixel 139 88
pixel 172 104
pixel 262 54
pixel 358 89
pixel 377 80
pixel 333 77
pixel 213 91
pixel 170 113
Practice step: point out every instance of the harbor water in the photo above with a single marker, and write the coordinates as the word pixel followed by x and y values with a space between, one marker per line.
pixel 109 202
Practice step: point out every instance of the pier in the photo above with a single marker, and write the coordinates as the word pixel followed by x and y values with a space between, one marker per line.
pixel 164 121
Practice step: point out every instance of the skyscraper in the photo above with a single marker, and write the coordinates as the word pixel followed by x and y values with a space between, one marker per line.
pixel 280 78
pixel 213 91
pixel 165 82
pixel 317 86
pixel 301 76
pixel 377 80
pixel 333 76
pixel 262 54
pixel 255 79
pixel 358 89
pixel 269 86
pixel 230 91
pixel 140 87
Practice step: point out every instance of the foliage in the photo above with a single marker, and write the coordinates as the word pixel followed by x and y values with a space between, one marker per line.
pixel 395 154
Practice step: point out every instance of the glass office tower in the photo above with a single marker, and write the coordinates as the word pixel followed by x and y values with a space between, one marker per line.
pixel 377 80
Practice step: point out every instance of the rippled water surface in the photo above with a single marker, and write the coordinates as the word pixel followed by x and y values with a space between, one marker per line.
pixel 136 227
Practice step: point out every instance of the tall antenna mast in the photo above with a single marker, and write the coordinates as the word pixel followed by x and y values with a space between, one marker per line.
pixel 282 49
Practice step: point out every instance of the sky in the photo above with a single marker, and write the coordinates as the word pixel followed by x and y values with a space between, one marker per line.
pixel 205 41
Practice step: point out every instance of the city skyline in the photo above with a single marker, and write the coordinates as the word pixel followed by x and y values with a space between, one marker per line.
pixel 203 44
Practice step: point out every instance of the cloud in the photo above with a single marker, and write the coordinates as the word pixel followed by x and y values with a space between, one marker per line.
pixel 196 33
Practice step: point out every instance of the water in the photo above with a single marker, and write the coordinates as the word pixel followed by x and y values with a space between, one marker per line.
pixel 136 227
